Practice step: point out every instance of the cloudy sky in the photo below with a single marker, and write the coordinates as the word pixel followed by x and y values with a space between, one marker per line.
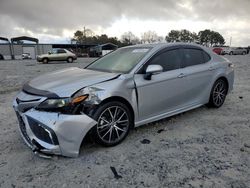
pixel 57 20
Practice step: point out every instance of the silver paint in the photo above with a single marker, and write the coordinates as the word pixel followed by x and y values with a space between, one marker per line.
pixel 166 94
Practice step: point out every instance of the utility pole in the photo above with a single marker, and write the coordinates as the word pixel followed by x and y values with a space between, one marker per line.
pixel 84 31
pixel 84 34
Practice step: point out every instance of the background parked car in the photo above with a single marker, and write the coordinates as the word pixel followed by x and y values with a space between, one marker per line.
pixel 217 50
pixel 234 51
pixel 26 56
pixel 57 55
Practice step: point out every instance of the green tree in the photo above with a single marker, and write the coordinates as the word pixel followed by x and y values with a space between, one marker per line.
pixel 87 36
pixel 173 36
pixel 186 36
pixel 181 36
pixel 210 38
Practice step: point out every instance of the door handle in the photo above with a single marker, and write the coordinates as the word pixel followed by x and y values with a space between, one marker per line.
pixel 211 68
pixel 181 75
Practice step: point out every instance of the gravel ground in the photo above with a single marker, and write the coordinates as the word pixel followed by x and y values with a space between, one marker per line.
pixel 200 148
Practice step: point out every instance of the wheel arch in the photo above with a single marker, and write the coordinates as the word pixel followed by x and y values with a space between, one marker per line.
pixel 1 57
pixel 45 58
pixel 106 100
pixel 224 79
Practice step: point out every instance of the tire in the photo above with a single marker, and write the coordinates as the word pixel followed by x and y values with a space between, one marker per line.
pixel 231 53
pixel 45 60
pixel 243 53
pixel 70 60
pixel 218 94
pixel 114 121
pixel 1 57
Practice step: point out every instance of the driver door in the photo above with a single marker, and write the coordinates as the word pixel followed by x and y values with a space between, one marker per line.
pixel 165 92
pixel 52 55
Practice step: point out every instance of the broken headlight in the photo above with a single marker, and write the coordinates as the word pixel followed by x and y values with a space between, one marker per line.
pixel 62 104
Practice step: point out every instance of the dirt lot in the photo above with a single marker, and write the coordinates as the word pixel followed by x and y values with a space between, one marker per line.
pixel 200 148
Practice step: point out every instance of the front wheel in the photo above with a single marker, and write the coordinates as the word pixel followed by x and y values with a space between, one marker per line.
pixel 114 121
pixel 45 60
pixel 243 53
pixel 231 53
pixel 218 94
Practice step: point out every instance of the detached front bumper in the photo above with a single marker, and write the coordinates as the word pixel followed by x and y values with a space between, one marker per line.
pixel 53 133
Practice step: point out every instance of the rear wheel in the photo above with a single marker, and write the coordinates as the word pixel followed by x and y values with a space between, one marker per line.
pixel 231 53
pixel 243 53
pixel 70 60
pixel 218 94
pixel 113 123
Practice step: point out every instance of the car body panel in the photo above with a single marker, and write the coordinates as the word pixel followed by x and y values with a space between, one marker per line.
pixel 166 94
pixel 69 129
pixel 67 81
pixel 159 89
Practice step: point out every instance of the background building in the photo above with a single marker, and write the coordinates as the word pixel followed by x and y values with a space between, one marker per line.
pixel 15 47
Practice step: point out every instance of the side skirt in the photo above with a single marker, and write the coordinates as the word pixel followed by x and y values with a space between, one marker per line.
pixel 167 114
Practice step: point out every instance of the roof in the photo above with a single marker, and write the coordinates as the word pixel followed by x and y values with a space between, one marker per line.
pixel 108 44
pixel 72 45
pixel 4 39
pixel 24 38
pixel 157 46
pixel 164 44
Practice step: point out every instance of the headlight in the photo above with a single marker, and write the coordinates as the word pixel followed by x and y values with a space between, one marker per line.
pixel 54 104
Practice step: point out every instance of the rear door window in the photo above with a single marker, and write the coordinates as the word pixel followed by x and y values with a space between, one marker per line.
pixel 194 56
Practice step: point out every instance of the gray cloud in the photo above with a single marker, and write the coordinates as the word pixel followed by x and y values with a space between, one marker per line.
pixel 51 17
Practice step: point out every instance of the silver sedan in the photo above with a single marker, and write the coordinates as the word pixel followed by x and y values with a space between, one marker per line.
pixel 127 88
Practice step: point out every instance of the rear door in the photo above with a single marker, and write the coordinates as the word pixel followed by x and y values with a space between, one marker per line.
pixel 199 71
pixel 62 54
pixel 166 91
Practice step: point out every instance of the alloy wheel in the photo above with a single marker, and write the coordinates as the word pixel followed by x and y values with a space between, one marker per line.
pixel 113 124
pixel 219 93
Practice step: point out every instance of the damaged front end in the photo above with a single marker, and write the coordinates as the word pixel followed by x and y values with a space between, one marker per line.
pixel 55 126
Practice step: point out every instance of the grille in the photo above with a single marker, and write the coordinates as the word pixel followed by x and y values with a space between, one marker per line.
pixel 23 128
pixel 42 132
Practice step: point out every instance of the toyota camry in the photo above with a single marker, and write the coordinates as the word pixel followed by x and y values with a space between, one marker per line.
pixel 127 88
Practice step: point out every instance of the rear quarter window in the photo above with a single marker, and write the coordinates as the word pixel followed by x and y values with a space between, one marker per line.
pixel 206 57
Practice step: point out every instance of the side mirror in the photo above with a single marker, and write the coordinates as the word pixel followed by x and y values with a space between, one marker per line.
pixel 151 70
pixel 49 53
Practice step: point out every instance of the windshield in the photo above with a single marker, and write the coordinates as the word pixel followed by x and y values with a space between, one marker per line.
pixel 122 60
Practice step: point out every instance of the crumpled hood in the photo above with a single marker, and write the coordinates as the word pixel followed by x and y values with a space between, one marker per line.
pixel 67 81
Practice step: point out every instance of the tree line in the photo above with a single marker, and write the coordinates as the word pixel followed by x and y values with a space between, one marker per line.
pixel 205 37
